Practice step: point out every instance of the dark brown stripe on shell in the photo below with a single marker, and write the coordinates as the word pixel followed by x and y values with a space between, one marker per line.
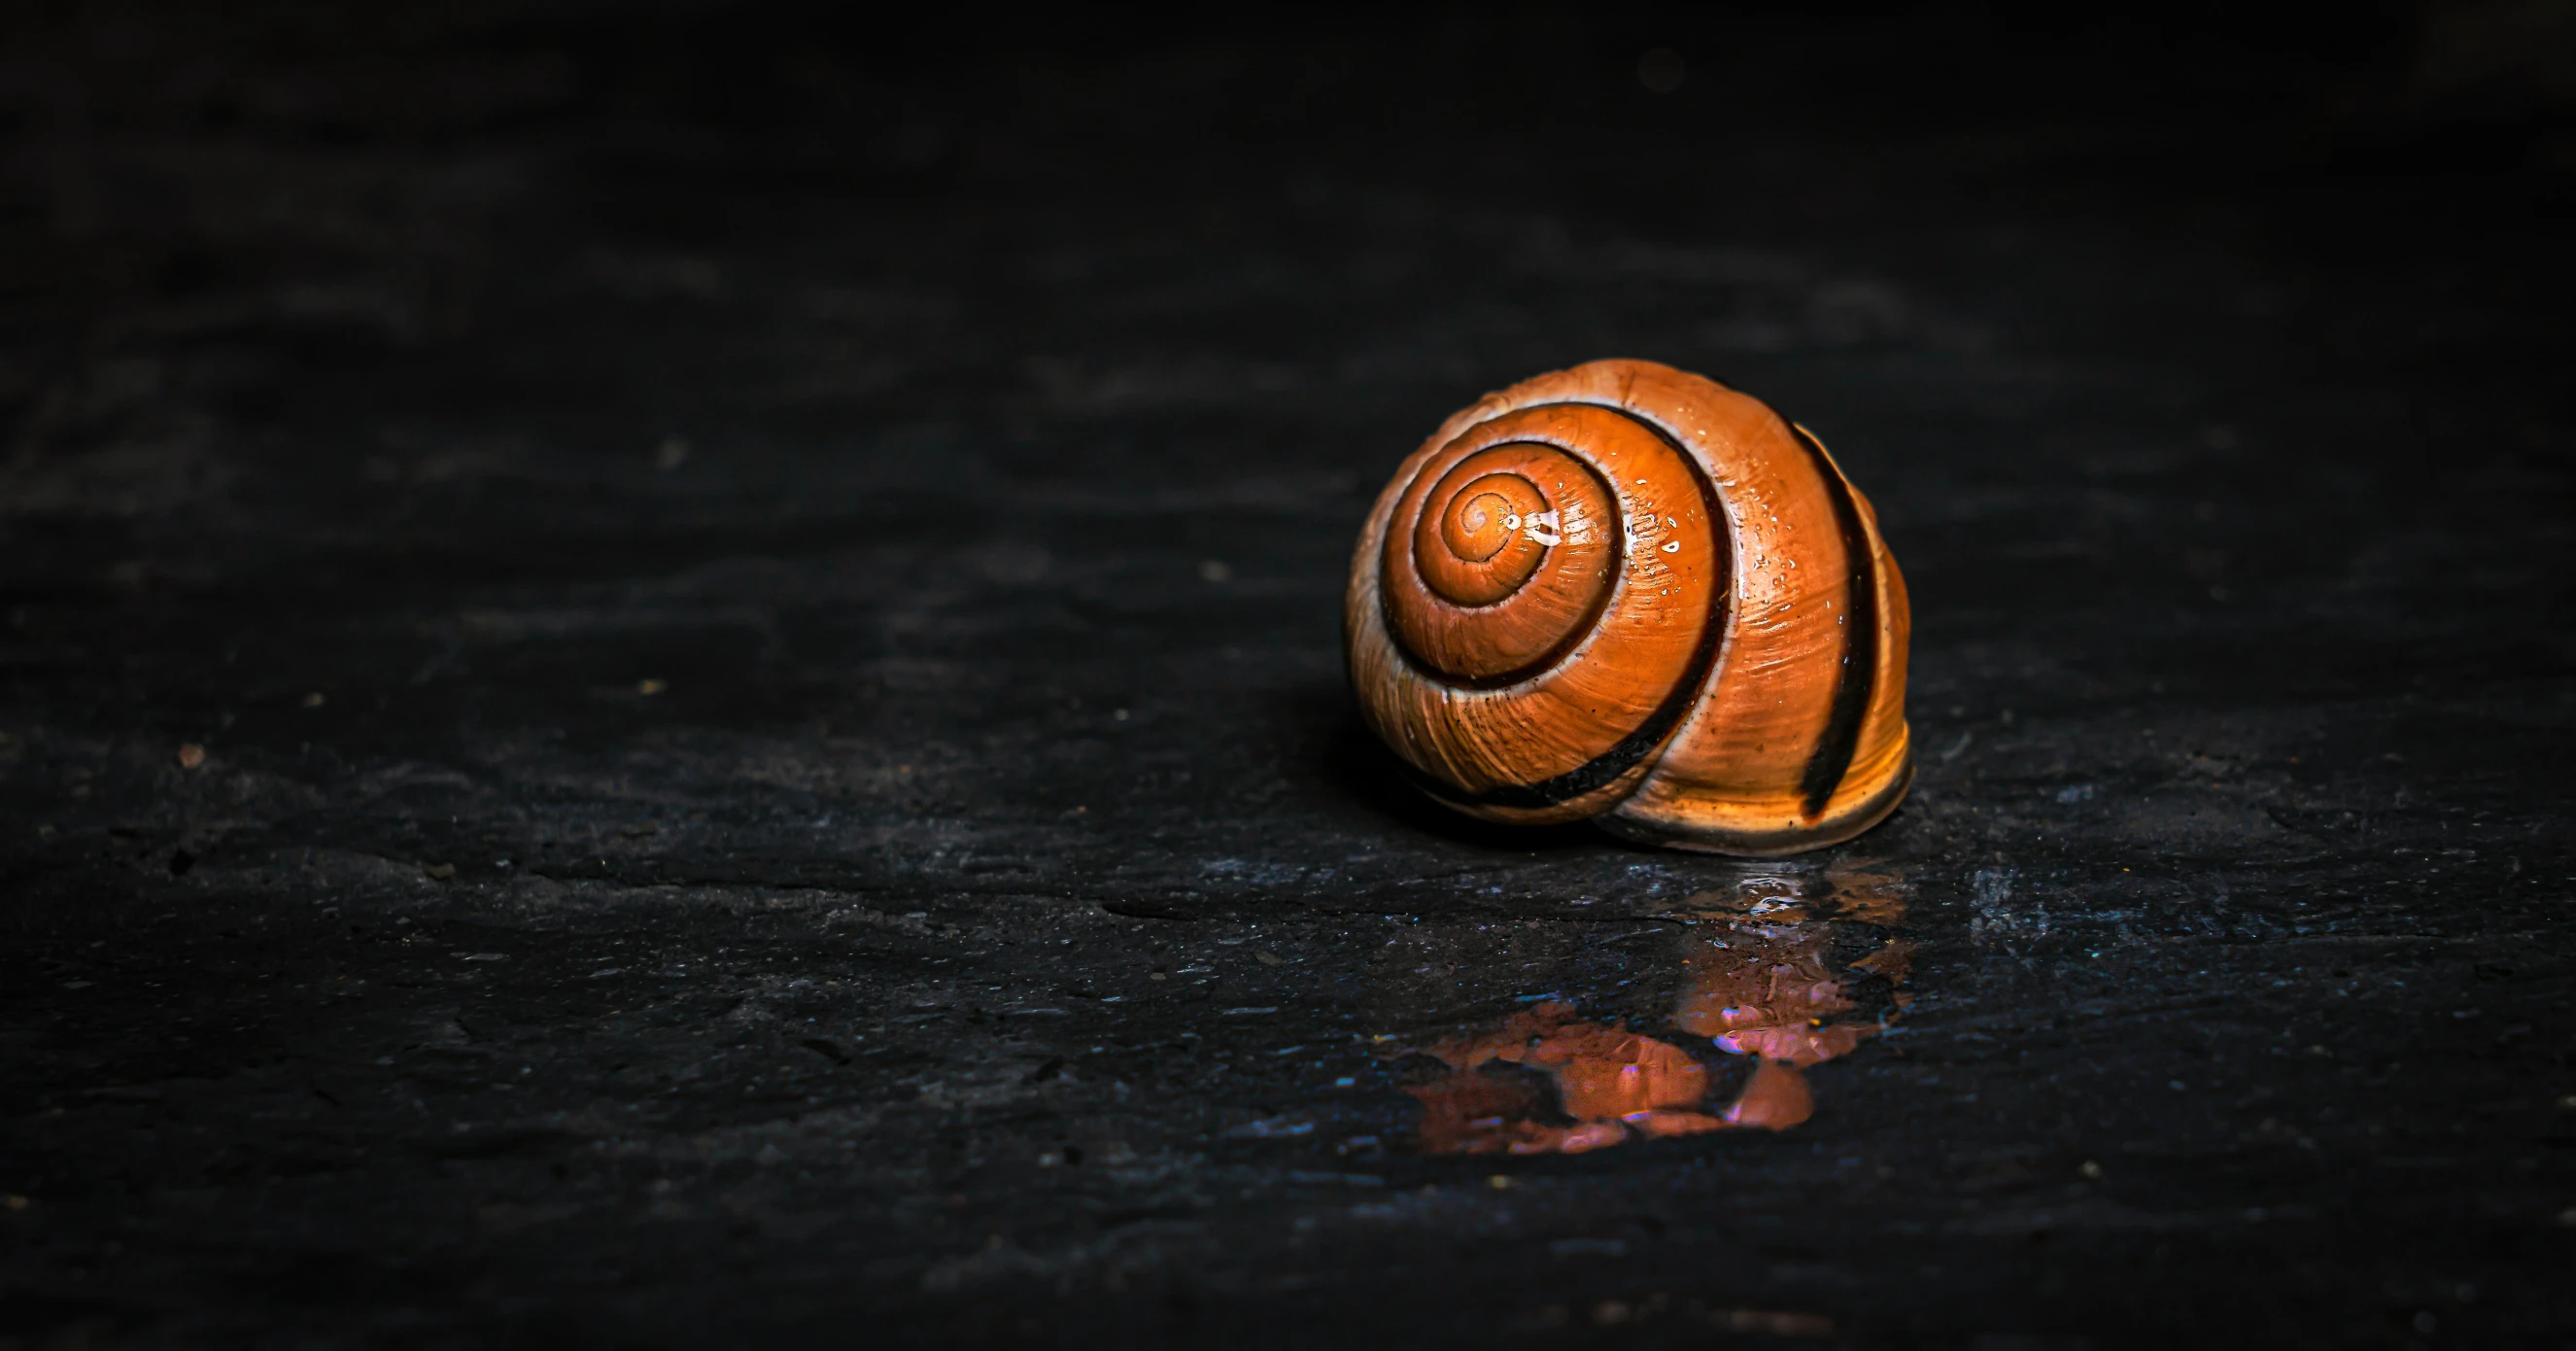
pixel 1832 758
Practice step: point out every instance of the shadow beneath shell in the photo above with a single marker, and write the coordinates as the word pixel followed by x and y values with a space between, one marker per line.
pixel 1356 765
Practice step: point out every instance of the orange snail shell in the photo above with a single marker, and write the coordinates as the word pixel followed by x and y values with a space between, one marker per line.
pixel 1629 593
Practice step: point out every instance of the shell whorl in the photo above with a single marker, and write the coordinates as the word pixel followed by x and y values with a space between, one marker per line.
pixel 1626 592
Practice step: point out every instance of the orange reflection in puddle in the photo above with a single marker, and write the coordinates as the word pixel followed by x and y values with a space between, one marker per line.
pixel 1759 980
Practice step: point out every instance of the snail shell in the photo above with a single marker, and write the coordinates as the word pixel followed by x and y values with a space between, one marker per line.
pixel 1629 593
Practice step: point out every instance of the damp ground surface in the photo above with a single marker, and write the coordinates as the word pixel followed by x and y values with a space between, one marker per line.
pixel 672 677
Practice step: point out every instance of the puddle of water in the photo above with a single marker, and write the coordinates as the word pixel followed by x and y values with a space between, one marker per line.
pixel 1764 972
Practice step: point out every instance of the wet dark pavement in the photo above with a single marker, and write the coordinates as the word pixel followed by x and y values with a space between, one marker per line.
pixel 675 680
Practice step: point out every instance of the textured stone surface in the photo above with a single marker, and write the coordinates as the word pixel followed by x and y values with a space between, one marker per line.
pixel 760 611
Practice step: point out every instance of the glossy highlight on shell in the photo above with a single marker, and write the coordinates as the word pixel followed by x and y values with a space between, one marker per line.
pixel 1628 593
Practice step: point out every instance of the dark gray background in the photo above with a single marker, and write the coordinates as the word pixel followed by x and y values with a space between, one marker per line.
pixel 760 592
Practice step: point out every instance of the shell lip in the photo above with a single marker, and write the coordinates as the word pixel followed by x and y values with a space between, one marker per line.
pixel 1861 818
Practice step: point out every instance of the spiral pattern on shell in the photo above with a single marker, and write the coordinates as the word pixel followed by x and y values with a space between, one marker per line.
pixel 1629 593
